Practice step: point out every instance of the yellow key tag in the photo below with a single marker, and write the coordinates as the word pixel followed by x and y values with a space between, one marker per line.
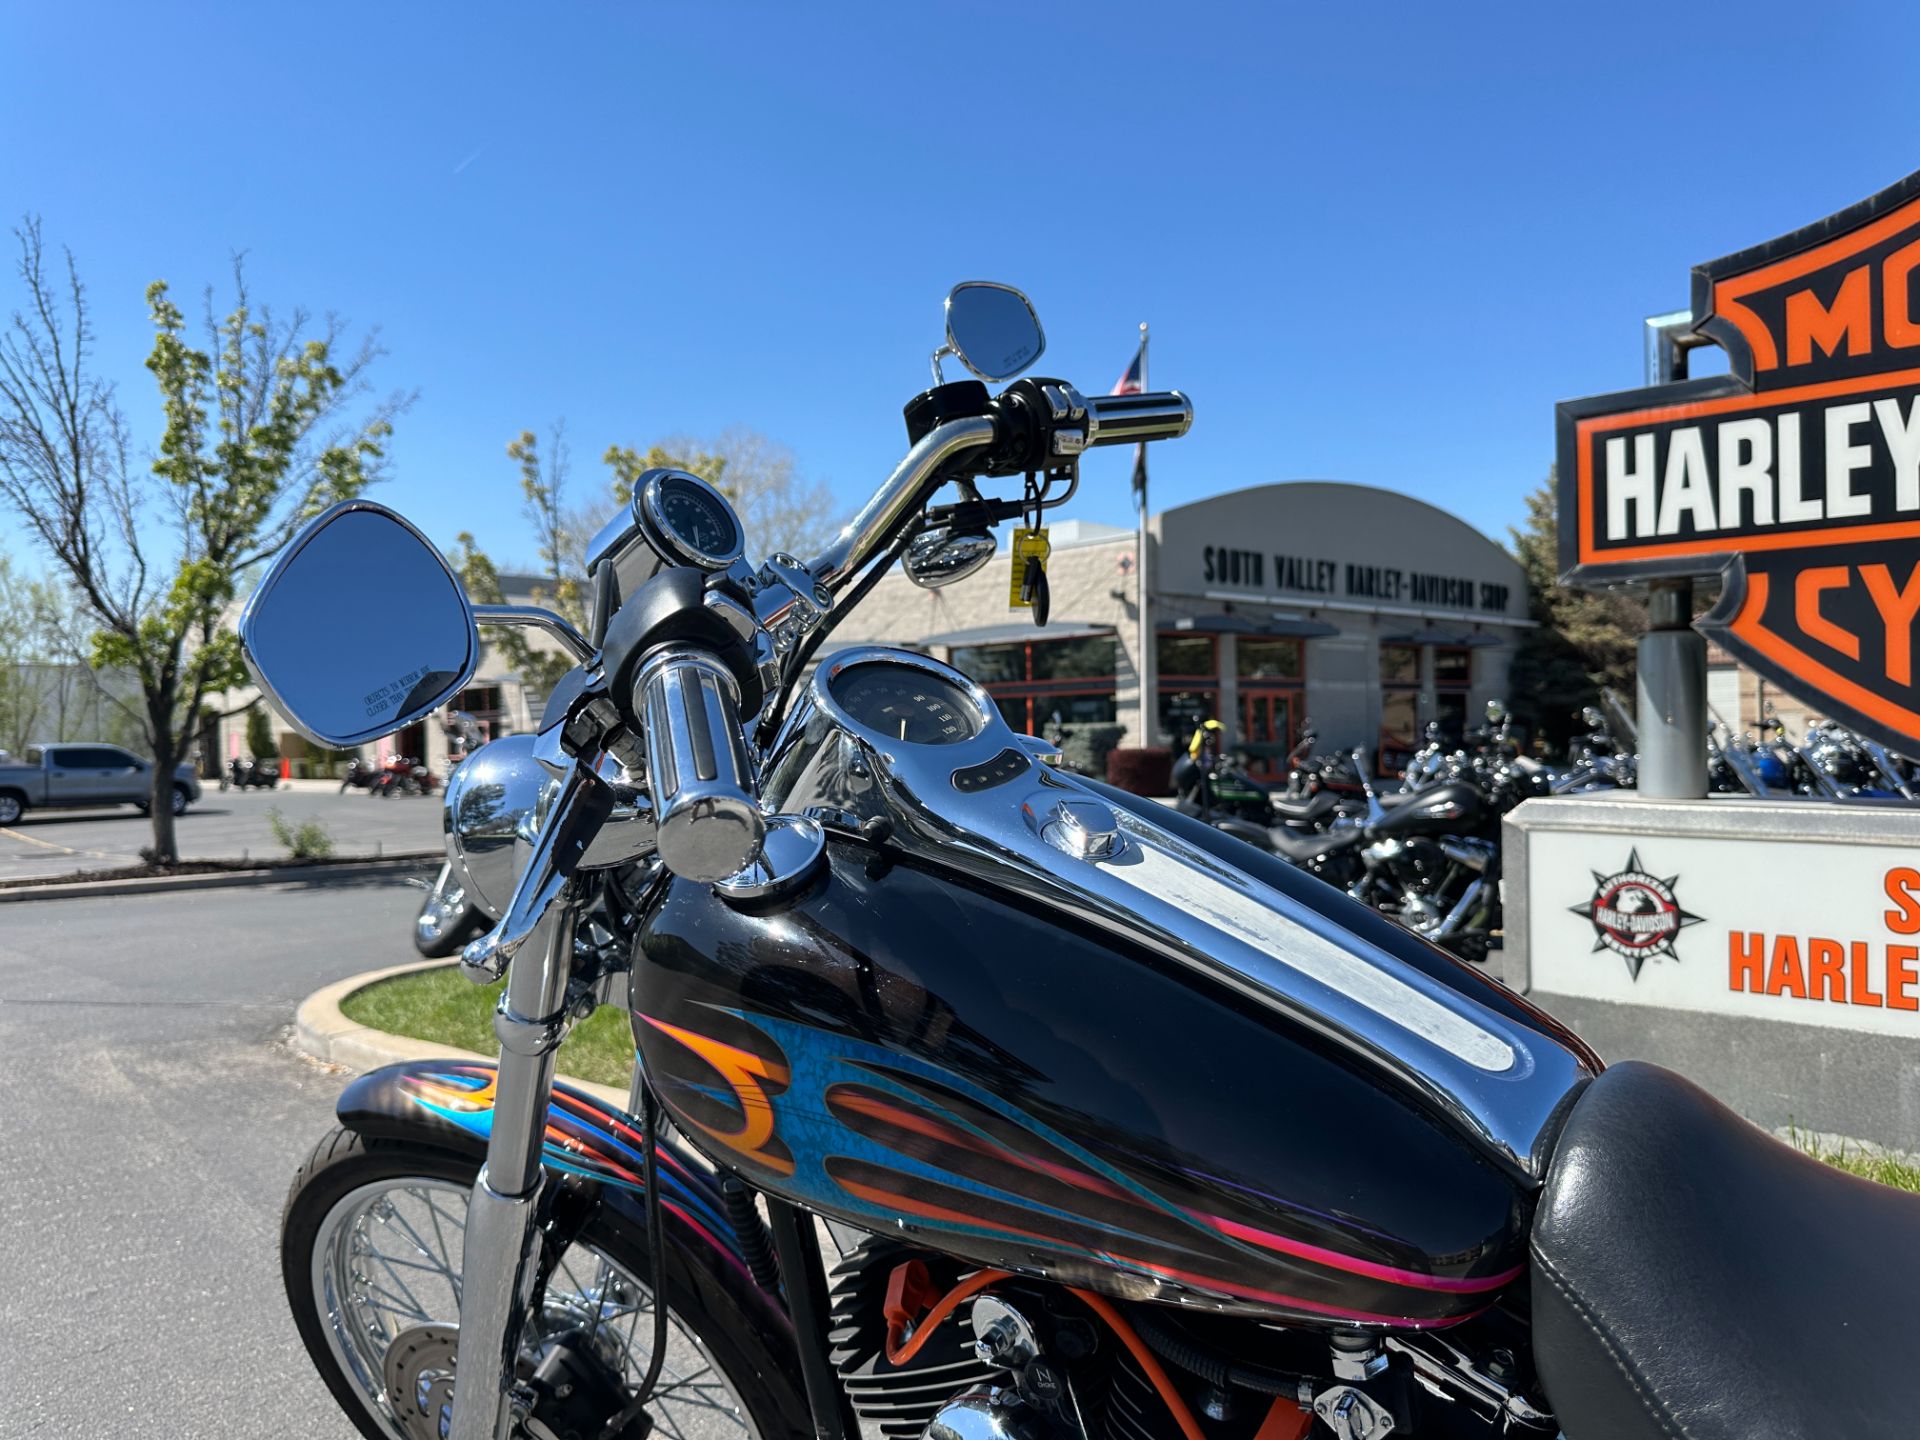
pixel 1027 545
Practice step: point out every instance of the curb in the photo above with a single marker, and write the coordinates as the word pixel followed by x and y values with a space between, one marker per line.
pixel 322 1032
pixel 222 879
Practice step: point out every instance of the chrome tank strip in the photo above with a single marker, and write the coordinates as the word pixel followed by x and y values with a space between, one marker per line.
pixel 1500 1083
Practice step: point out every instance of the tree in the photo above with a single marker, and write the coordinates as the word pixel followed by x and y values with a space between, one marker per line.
pixel 778 508
pixel 29 657
pixel 1586 639
pixel 255 441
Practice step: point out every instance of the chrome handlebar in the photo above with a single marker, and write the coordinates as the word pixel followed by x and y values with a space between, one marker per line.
pixel 879 519
pixel 708 822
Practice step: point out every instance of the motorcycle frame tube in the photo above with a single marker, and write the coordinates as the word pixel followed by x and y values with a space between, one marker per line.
pixel 796 1247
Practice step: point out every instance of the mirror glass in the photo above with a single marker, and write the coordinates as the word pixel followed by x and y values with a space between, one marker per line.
pixel 993 330
pixel 360 628
pixel 939 557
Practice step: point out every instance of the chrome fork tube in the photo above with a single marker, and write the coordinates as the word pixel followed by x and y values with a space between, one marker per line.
pixel 501 1248
pixel 1463 907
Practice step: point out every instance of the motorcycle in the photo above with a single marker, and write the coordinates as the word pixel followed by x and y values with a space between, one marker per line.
pixel 360 775
pixel 404 775
pixel 250 774
pixel 448 919
pixel 1132 1131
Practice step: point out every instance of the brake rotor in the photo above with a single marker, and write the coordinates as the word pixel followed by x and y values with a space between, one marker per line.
pixel 419 1369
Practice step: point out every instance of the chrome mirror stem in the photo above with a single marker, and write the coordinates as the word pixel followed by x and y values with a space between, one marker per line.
pixel 534 618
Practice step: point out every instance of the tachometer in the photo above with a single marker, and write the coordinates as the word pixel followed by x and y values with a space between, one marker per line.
pixel 906 704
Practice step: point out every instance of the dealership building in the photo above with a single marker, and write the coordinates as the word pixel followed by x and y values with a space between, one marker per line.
pixel 1366 610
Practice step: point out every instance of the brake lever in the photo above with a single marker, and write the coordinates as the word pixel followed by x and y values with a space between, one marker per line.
pixel 578 811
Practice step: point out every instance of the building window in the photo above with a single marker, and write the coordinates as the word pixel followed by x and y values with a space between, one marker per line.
pixel 1399 707
pixel 1452 679
pixel 487 705
pixel 1272 675
pixel 1189 684
pixel 1036 680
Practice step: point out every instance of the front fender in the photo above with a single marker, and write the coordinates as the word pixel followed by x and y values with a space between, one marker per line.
pixel 448 1104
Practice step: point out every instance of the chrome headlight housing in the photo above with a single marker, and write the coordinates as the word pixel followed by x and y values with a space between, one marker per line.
pixel 494 805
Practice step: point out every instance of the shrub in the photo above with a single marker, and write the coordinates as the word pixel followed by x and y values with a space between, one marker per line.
pixel 308 840
pixel 1143 770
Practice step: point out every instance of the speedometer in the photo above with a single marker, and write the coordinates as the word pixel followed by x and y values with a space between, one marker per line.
pixel 906 703
pixel 688 520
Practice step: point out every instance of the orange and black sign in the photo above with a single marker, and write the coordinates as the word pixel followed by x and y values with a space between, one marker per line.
pixel 1797 475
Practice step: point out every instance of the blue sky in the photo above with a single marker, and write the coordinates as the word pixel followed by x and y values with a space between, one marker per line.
pixel 1374 243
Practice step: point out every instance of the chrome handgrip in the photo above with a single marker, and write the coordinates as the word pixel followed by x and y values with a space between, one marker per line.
pixel 1156 415
pixel 709 826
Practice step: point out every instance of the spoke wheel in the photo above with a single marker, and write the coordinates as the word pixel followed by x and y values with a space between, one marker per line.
pixel 374 1270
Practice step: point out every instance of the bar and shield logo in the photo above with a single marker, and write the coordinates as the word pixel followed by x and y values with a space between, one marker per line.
pixel 1796 477
pixel 1635 914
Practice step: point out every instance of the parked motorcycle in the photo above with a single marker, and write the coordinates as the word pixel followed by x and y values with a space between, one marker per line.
pixel 361 775
pixel 404 775
pixel 448 919
pixel 250 774
pixel 1143 1134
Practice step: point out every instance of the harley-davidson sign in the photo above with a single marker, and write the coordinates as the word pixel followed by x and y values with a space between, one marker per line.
pixel 1797 475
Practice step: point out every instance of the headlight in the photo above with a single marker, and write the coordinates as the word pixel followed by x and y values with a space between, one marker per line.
pixel 494 805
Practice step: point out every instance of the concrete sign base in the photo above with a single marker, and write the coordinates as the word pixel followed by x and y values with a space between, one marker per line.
pixel 1769 950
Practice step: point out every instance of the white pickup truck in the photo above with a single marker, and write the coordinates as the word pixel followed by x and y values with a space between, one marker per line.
pixel 69 777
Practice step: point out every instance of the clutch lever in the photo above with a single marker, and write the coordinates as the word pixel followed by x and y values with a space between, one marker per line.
pixel 575 817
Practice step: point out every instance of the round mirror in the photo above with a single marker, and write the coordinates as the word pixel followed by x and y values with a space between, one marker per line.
pixel 992 329
pixel 360 628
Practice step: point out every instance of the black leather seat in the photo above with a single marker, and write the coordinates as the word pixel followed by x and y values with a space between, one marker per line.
pixel 1297 847
pixel 1288 807
pixel 1695 1279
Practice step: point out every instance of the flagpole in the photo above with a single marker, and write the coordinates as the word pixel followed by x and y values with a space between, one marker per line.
pixel 1146 664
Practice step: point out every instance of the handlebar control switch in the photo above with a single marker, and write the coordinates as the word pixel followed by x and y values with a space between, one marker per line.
pixel 709 826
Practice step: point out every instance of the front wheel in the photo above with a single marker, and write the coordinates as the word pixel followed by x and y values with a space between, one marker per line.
pixel 370 1250
pixel 179 800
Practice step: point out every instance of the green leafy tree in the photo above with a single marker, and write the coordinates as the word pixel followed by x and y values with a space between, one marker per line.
pixel 255 440
pixel 1586 639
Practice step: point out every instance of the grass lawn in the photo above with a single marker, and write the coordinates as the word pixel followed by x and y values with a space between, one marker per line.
pixel 1891 1170
pixel 444 1005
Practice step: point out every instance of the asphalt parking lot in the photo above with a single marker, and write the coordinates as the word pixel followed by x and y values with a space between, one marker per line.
pixel 154 1119
pixel 224 825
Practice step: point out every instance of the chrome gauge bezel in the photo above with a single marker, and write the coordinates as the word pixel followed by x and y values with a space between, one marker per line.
pixel 915 761
pixel 649 509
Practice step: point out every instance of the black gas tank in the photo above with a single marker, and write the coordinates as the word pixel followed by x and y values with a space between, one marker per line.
pixel 911 1053
pixel 1453 808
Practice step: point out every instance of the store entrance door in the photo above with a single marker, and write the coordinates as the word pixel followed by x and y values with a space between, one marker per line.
pixel 1266 730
